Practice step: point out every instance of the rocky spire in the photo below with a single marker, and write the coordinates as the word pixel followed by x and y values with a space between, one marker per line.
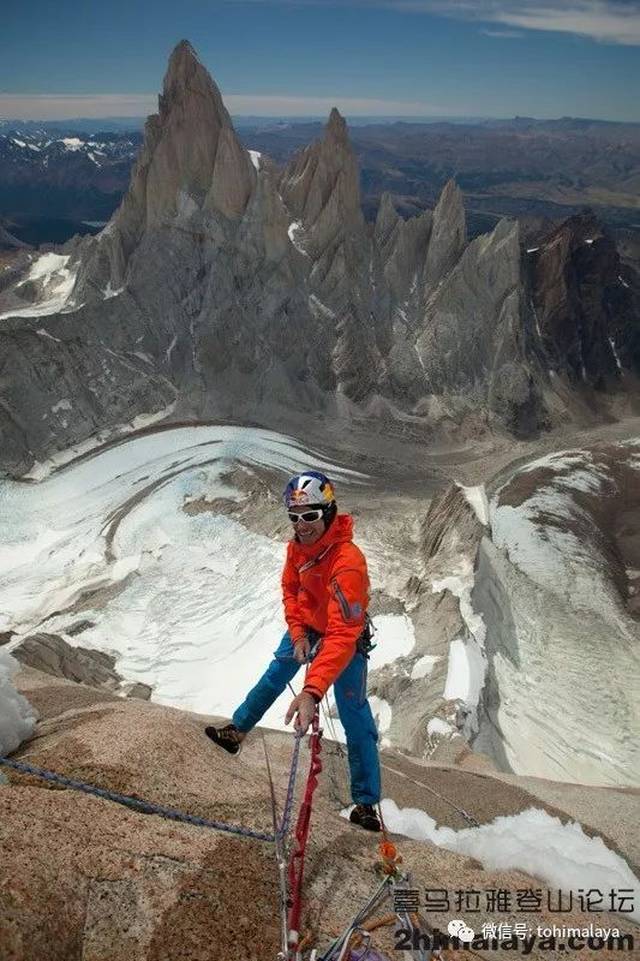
pixel 336 129
pixel 448 234
pixel 321 186
pixel 190 160
pixel 387 220
pixel 190 151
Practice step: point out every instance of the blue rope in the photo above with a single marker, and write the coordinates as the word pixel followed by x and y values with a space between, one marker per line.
pixel 285 823
pixel 147 807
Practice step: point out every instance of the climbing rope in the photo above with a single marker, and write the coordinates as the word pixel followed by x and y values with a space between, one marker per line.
pixel 285 822
pixel 296 863
pixel 148 807
pixel 468 817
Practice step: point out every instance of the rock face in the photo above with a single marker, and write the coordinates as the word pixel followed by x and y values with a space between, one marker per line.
pixel 227 288
pixel 84 877
pixel 587 314
pixel 9 242
pixel 52 655
pixel 431 714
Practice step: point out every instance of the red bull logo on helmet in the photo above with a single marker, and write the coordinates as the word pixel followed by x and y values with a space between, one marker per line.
pixel 298 497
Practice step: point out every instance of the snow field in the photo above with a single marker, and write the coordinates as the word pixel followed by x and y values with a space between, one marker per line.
pixel 198 613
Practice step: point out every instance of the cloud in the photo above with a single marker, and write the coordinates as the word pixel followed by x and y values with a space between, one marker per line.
pixel 69 106
pixel 608 21
pixel 503 34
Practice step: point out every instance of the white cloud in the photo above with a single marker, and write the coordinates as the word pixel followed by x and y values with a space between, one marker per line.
pixel 609 21
pixel 502 34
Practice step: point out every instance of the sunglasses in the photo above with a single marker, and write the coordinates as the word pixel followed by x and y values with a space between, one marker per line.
pixel 307 516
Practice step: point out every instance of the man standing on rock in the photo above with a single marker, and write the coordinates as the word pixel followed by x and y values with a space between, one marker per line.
pixel 325 590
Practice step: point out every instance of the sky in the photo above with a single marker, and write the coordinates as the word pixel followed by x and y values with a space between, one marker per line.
pixel 409 58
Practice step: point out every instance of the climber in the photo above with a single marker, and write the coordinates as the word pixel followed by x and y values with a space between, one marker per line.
pixel 325 590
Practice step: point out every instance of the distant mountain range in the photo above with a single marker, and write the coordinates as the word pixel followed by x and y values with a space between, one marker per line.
pixel 228 286
pixel 540 171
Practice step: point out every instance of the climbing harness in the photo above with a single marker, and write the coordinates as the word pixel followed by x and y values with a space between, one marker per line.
pixel 364 644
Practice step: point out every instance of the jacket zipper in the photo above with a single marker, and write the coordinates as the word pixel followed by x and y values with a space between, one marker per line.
pixel 344 603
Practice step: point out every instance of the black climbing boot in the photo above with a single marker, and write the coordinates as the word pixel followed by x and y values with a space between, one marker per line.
pixel 365 816
pixel 227 737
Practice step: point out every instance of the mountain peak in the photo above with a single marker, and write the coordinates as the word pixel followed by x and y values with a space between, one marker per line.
pixel 183 50
pixel 336 128
pixel 449 235
pixel 186 75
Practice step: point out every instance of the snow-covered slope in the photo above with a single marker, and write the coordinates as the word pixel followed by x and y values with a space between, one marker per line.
pixel 556 585
pixel 138 542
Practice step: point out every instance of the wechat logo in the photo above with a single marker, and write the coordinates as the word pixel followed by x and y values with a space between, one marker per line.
pixel 458 929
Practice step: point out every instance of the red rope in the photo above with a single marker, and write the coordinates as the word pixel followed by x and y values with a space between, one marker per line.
pixel 296 864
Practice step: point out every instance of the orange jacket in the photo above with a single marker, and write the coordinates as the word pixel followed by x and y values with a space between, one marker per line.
pixel 326 586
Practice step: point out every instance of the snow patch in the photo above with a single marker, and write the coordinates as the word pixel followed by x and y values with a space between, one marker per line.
pixel 615 353
pixel 423 666
pixel 319 309
pixel 170 348
pixel 45 333
pixel 110 291
pixel 477 497
pixel 467 659
pixel 394 638
pixel 381 711
pixel 72 143
pixel 255 158
pixel 17 717
pixel 294 229
pixel 438 726
pixel 56 279
pixel 64 404
pixel 623 282
pixel 560 855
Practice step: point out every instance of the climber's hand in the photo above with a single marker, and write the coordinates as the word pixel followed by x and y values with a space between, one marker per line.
pixel 301 650
pixel 304 707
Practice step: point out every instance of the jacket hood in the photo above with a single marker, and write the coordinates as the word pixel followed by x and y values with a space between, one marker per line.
pixel 340 531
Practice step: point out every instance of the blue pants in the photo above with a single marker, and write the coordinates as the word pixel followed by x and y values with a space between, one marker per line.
pixel 353 710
